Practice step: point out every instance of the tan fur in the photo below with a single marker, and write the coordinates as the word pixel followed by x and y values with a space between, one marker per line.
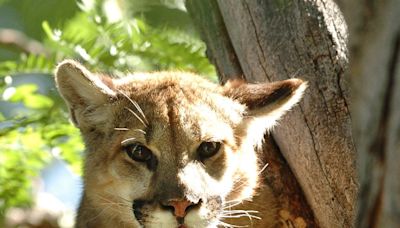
pixel 172 113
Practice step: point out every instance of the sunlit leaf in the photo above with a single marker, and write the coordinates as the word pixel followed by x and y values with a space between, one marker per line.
pixel 38 101
pixel 23 91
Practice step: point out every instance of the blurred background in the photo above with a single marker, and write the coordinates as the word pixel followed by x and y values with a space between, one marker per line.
pixel 40 151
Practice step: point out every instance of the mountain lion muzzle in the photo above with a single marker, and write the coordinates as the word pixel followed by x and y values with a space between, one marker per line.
pixel 171 149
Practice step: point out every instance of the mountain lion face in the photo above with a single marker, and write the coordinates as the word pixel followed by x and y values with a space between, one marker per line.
pixel 169 149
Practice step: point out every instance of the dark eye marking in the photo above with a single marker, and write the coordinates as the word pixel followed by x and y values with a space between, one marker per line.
pixel 140 153
pixel 208 149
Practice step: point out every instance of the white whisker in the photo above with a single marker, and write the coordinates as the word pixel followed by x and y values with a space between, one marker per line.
pixel 239 179
pixel 233 201
pixel 140 111
pixel 263 169
pixel 240 216
pixel 232 205
pixel 125 141
pixel 121 129
pixel 108 204
pixel 127 129
pixel 120 197
pixel 229 225
pixel 240 211
pixel 136 106
pixel 101 212
pixel 136 115
pixel 139 130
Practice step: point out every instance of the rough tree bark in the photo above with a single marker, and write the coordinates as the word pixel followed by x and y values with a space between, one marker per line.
pixel 375 81
pixel 275 40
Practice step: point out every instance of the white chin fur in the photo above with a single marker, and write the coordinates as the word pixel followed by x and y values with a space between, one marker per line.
pixel 194 219
pixel 197 218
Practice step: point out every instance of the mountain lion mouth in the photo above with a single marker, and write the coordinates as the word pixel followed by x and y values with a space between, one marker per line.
pixel 145 211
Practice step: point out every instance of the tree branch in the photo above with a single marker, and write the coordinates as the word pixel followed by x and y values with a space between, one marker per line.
pixel 11 38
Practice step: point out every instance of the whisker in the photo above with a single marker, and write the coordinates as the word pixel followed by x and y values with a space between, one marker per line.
pixel 136 115
pixel 120 197
pixel 121 129
pixel 258 173
pixel 116 209
pixel 232 201
pixel 111 202
pixel 140 111
pixel 139 130
pixel 229 225
pixel 241 211
pixel 238 180
pixel 101 212
pixel 229 207
pixel 232 214
pixel 263 168
pixel 127 129
pixel 136 106
pixel 240 216
pixel 125 141
pixel 232 205
pixel 224 224
pixel 105 209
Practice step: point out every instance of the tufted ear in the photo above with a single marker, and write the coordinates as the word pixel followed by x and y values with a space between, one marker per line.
pixel 83 91
pixel 265 102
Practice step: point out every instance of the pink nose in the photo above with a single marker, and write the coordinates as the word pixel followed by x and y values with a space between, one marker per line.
pixel 180 207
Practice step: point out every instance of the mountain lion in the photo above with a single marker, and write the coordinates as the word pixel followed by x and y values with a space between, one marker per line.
pixel 171 149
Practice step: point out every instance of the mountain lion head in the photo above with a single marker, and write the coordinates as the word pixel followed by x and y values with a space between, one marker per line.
pixel 169 149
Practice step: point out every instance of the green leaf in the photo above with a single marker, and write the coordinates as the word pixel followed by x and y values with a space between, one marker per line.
pixel 47 30
pixel 23 91
pixel 38 101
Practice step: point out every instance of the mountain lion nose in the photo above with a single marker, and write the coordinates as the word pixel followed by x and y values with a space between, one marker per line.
pixel 180 207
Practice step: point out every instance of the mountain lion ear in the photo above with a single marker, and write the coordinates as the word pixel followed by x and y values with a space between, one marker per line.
pixel 265 102
pixel 81 89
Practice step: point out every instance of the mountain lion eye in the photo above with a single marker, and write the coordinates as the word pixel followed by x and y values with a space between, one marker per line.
pixel 208 149
pixel 138 152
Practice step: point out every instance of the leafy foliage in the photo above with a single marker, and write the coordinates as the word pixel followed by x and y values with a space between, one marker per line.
pixel 34 123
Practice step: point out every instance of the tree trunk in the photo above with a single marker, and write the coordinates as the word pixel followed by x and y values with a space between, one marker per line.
pixel 375 80
pixel 276 40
